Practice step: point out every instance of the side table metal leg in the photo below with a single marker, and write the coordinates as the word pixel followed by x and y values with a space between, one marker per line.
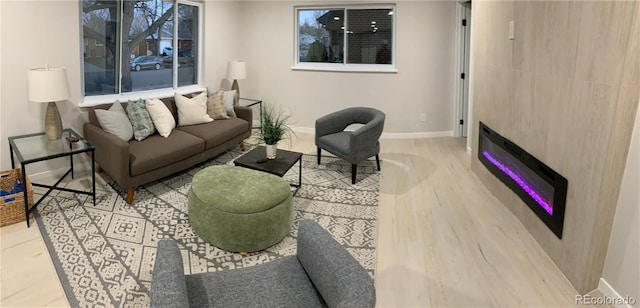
pixel 13 165
pixel 260 114
pixel 300 174
pixel 26 194
pixel 71 156
pixel 93 176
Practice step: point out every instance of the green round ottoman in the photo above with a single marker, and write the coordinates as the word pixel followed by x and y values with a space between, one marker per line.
pixel 239 209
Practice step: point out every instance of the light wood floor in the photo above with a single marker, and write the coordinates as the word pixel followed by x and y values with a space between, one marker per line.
pixel 443 240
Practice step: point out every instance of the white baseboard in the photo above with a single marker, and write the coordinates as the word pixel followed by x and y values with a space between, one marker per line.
pixel 610 293
pixel 311 130
pixel 77 167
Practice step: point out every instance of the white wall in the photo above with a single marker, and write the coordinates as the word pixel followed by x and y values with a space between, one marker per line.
pixel 221 40
pixel 35 33
pixel 622 265
pixel 423 84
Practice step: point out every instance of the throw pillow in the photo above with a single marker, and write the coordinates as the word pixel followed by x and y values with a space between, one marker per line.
pixel 228 102
pixel 140 120
pixel 192 111
pixel 161 116
pixel 115 121
pixel 215 106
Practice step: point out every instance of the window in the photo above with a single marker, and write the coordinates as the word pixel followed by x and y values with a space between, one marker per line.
pixel 128 46
pixel 347 38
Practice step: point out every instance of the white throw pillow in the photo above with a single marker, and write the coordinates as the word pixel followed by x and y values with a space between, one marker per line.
pixel 192 111
pixel 162 118
pixel 228 102
pixel 115 121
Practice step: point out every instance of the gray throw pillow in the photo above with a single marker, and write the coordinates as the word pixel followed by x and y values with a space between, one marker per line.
pixel 115 121
pixel 140 120
pixel 228 102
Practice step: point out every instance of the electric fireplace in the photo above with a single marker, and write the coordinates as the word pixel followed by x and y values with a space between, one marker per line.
pixel 540 187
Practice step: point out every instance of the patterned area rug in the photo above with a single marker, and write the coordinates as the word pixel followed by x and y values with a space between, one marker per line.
pixel 104 255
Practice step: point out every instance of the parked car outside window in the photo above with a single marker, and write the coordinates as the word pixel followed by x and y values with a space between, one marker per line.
pixel 167 51
pixel 185 57
pixel 146 62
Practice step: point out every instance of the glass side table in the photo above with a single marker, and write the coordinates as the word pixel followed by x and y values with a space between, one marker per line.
pixel 248 102
pixel 34 148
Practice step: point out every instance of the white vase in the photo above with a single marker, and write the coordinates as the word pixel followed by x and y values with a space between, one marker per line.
pixel 271 149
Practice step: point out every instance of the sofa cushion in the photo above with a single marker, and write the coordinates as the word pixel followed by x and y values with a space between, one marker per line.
pixel 279 283
pixel 215 105
pixel 216 132
pixel 161 116
pixel 140 120
pixel 115 121
pixel 228 98
pixel 156 151
pixel 192 110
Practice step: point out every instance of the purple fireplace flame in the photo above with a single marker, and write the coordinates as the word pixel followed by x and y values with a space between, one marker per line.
pixel 521 182
pixel 541 188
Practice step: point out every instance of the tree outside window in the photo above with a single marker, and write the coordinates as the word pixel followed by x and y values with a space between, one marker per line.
pixel 126 43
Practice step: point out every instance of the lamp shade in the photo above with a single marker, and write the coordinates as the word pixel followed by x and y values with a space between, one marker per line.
pixel 48 84
pixel 236 70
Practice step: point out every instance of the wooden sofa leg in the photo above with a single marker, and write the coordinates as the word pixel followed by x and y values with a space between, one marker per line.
pixel 319 152
pixel 130 192
pixel 242 146
pixel 378 161
pixel 99 169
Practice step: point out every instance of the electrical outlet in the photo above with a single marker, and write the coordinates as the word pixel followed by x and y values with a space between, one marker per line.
pixel 423 117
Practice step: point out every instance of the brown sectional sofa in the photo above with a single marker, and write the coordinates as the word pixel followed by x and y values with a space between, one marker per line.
pixel 135 163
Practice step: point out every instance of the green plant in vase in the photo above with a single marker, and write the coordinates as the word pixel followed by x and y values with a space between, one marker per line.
pixel 274 128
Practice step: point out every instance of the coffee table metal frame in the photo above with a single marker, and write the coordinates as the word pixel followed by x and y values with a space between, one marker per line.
pixel 279 166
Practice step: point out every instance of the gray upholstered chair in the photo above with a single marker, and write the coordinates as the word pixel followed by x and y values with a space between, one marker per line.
pixel 322 274
pixel 352 146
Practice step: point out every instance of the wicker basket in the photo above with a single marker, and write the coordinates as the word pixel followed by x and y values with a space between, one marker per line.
pixel 12 205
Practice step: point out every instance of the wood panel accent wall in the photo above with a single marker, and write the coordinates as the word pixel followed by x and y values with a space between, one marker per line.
pixel 566 90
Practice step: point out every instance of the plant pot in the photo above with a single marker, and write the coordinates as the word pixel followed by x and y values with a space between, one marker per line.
pixel 271 149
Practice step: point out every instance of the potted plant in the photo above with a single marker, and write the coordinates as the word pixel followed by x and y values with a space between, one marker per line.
pixel 274 128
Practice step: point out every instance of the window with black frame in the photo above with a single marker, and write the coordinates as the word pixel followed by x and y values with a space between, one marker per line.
pixel 351 35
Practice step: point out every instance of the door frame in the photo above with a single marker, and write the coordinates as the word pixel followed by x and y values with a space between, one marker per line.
pixel 460 60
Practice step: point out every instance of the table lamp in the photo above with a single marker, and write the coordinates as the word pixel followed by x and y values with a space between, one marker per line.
pixel 236 70
pixel 48 85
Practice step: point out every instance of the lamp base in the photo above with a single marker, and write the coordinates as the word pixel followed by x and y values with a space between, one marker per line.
pixel 235 86
pixel 52 122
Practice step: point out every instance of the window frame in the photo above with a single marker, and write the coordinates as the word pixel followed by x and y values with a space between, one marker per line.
pixel 88 101
pixel 344 67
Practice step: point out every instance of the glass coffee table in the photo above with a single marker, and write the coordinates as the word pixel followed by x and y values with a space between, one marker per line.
pixel 35 148
pixel 256 159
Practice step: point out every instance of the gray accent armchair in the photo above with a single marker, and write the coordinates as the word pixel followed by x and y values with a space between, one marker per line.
pixel 322 274
pixel 352 146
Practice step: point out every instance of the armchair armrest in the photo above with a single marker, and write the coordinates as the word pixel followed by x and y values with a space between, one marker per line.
pixel 112 153
pixel 168 286
pixel 332 123
pixel 340 279
pixel 367 136
pixel 244 113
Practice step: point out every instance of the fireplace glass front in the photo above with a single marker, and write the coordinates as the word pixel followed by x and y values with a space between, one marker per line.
pixel 539 186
